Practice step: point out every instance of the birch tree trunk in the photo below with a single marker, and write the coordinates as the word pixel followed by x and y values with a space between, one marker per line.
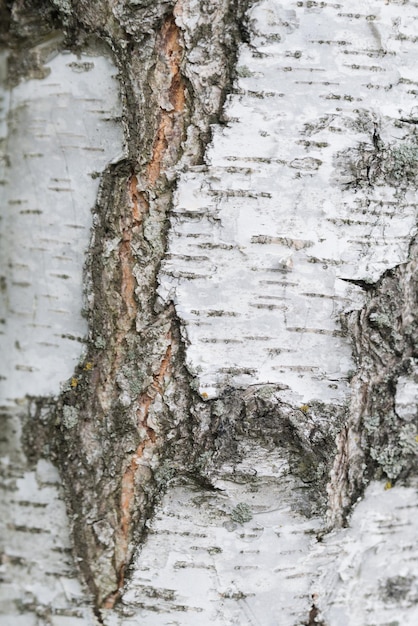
pixel 209 371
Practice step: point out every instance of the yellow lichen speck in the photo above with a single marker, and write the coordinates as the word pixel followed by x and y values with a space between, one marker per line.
pixel 388 485
pixel 304 408
pixel 88 366
pixel 74 382
pixel 204 395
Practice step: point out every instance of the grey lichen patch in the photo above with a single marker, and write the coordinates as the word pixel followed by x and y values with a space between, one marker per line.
pixel 69 416
pixel 381 320
pixel 389 459
pixel 100 343
pixel 244 72
pixel 241 513
pixel 371 423
pixel 165 472
pixel 401 162
pixel 380 159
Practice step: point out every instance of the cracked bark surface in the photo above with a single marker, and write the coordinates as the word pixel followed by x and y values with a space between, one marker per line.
pixel 129 432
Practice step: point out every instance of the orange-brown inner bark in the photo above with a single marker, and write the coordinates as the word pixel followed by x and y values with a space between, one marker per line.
pixel 166 143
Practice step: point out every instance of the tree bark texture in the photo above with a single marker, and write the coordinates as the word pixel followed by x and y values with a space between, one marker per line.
pixel 230 413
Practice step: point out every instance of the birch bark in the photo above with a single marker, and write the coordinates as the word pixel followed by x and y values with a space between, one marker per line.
pixel 209 376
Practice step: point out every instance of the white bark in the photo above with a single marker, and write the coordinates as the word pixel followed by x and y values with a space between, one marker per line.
pixel 304 200
pixel 61 133
pixel 264 237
